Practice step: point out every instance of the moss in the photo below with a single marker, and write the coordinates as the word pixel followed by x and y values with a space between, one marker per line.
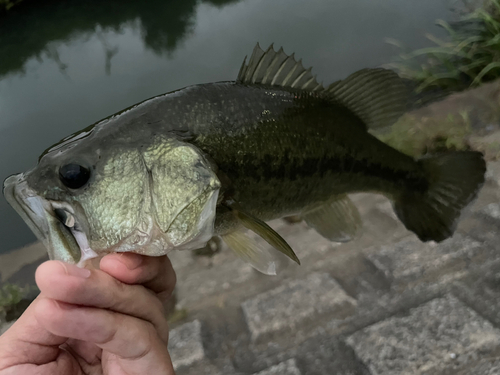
pixel 416 137
pixel 7 4
pixel 13 301
pixel 177 315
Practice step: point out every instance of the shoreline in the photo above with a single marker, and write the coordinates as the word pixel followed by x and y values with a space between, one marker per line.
pixel 12 262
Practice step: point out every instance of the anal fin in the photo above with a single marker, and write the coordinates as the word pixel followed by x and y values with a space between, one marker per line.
pixel 337 219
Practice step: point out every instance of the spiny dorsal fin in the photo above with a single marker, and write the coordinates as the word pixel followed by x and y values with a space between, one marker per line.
pixel 378 96
pixel 277 69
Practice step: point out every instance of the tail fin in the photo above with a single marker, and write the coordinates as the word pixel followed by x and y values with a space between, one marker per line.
pixel 454 181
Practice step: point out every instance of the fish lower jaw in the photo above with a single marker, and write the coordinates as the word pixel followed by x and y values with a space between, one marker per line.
pixel 87 255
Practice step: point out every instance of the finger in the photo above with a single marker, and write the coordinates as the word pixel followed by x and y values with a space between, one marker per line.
pixel 28 342
pixel 70 284
pixel 155 273
pixel 134 341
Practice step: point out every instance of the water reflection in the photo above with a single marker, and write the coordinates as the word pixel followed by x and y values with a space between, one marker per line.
pixel 67 64
pixel 32 30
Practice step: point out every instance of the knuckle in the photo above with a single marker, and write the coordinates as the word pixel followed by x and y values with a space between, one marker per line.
pixel 168 284
pixel 108 336
pixel 145 340
pixel 158 305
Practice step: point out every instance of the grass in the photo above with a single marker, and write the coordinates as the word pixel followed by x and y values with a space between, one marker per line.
pixel 468 57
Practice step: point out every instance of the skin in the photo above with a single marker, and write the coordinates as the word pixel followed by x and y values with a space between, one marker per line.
pixel 93 321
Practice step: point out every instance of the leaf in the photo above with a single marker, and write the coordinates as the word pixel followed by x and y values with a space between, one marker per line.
pixel 485 71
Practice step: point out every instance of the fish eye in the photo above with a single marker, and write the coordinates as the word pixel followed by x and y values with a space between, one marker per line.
pixel 73 175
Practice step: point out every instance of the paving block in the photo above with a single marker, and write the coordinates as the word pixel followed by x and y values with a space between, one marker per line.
pixel 326 354
pixel 492 210
pixel 321 354
pixel 295 305
pixel 284 368
pixel 410 259
pixel 437 337
pixel 481 291
pixel 493 172
pixel 487 366
pixel 185 345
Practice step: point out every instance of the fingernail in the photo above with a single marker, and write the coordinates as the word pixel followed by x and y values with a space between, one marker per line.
pixel 73 270
pixel 132 260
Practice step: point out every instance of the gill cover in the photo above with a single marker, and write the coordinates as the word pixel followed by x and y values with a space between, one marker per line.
pixel 184 191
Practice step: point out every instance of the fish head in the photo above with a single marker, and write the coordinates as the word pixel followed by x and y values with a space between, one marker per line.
pixel 89 198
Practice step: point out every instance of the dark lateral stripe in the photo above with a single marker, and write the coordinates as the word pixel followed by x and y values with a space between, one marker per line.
pixel 292 170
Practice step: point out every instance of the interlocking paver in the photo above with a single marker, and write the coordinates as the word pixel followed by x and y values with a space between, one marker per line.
pixel 481 291
pixel 295 304
pixel 492 210
pixel 440 335
pixel 185 344
pixel 486 366
pixel 284 368
pixel 410 259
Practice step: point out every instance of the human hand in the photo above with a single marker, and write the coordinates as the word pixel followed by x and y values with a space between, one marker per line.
pixel 94 321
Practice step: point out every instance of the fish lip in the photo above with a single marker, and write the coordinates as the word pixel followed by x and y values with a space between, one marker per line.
pixel 38 213
pixel 17 193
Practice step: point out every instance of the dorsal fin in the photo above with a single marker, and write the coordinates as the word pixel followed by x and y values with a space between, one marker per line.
pixel 277 69
pixel 378 96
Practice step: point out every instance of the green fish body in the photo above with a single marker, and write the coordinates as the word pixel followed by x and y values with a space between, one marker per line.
pixel 219 158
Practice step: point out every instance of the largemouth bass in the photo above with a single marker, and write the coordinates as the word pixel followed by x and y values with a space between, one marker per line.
pixel 220 158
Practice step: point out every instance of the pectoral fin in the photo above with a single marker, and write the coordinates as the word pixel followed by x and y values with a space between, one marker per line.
pixel 337 220
pixel 263 230
pixel 249 250
pixel 267 233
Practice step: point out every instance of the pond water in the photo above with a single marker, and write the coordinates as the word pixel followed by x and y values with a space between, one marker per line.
pixel 67 64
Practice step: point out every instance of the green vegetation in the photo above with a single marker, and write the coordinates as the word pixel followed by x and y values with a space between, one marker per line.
pixel 13 301
pixel 469 56
pixel 417 137
pixel 7 4
pixel 177 315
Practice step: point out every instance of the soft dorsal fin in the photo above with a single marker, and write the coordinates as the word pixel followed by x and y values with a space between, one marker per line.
pixel 277 69
pixel 378 96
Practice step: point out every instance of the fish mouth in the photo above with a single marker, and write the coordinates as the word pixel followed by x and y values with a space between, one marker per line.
pixel 53 223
